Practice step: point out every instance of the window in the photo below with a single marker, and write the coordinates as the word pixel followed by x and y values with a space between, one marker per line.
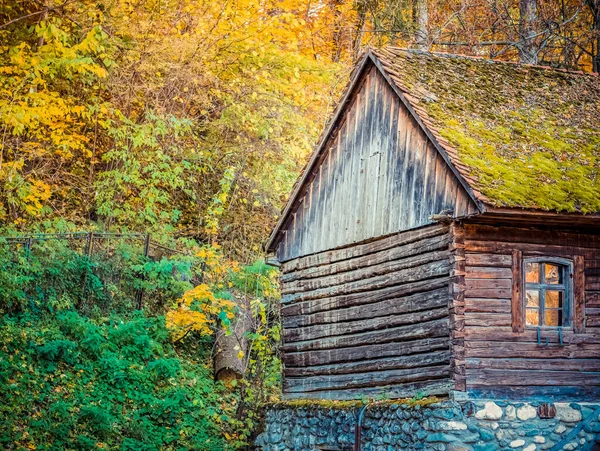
pixel 547 292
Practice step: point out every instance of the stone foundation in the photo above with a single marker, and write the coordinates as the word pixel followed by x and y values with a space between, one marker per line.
pixel 452 426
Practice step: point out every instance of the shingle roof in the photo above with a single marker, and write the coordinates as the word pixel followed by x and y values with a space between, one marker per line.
pixel 521 136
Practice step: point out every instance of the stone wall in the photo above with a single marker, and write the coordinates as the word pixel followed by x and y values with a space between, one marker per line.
pixel 451 426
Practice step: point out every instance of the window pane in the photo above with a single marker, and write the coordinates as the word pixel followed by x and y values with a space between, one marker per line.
pixel 554 299
pixel 553 274
pixel 532 317
pixel 532 272
pixel 553 317
pixel 532 298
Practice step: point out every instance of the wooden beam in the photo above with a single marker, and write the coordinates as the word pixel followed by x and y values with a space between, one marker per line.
pixel 578 294
pixel 517 291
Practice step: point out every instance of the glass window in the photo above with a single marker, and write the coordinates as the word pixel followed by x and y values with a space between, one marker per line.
pixel 546 293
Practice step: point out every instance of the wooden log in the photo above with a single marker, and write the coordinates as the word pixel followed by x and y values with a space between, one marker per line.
pixel 578 365
pixel 424 388
pixel 488 260
pixel 487 272
pixel 489 293
pixel 528 335
pixel 488 284
pixel 395 306
pixel 592 321
pixel 362 366
pixel 541 237
pixel 370 247
pixel 428 329
pixel 492 377
pixel 426 271
pixel 370 351
pixel 358 380
pixel 592 298
pixel 353 327
pixel 487 349
pixel 428 244
pixel 481 305
pixel 363 298
pixel 527 393
pixel 387 267
pixel 497 247
pixel 487 319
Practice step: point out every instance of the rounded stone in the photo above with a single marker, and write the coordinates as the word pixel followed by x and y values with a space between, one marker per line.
pixel 452 426
pixel 530 447
pixel 560 429
pixel 490 411
pixel 517 443
pixel 539 439
pixel 567 414
pixel 510 413
pixel 526 412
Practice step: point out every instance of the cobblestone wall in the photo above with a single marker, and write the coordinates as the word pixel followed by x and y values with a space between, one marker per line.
pixel 451 426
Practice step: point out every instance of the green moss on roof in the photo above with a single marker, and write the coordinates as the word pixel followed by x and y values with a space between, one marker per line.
pixel 530 136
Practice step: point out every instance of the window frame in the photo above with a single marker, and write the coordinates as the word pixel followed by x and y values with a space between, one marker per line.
pixel 568 302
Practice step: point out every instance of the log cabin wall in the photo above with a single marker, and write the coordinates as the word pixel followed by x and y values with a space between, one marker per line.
pixel 368 319
pixel 495 356
pixel 378 174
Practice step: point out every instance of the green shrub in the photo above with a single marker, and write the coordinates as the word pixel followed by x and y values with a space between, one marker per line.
pixel 69 383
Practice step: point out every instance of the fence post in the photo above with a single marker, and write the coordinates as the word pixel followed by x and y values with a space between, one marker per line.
pixel 90 244
pixel 140 293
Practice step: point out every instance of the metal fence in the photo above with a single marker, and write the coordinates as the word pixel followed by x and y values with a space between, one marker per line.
pixel 108 255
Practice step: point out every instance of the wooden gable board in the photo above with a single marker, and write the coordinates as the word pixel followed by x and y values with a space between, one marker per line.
pixel 376 172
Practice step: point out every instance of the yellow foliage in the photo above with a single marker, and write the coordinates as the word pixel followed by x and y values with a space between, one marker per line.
pixel 198 311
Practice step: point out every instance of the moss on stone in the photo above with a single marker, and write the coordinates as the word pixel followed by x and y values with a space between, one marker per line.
pixel 353 404
pixel 530 135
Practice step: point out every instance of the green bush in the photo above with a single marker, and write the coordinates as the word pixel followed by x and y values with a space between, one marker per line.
pixel 69 383
pixel 55 275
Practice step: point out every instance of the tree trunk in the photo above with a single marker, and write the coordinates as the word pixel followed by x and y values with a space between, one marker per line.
pixel 421 22
pixel 595 9
pixel 528 52
pixel 231 349
pixel 336 53
pixel 361 12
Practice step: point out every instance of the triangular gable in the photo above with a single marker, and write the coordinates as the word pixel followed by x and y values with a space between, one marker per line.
pixel 376 170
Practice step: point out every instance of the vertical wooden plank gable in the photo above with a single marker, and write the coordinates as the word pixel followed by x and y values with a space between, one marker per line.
pixel 385 177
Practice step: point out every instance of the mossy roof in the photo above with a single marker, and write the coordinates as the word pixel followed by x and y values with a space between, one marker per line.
pixel 521 136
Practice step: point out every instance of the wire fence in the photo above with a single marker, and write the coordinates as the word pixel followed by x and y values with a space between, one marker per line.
pixel 96 269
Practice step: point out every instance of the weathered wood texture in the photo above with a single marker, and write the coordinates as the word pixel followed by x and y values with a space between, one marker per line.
pixel 379 174
pixel 501 354
pixel 369 319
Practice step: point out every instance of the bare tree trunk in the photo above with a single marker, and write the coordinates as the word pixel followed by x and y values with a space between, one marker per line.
pixel 361 10
pixel 337 29
pixel 528 52
pixel 421 23
pixel 595 9
pixel 231 349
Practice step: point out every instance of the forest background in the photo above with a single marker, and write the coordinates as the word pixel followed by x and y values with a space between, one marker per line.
pixel 188 120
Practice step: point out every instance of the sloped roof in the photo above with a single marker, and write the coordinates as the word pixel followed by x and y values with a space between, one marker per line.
pixel 521 136
pixel 516 136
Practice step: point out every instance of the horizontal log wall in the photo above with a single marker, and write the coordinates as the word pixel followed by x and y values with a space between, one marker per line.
pixel 499 361
pixel 369 319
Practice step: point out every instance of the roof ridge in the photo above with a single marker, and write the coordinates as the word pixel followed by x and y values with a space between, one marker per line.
pixel 392 48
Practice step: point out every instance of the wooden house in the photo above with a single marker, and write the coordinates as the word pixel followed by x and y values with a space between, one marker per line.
pixel 444 238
